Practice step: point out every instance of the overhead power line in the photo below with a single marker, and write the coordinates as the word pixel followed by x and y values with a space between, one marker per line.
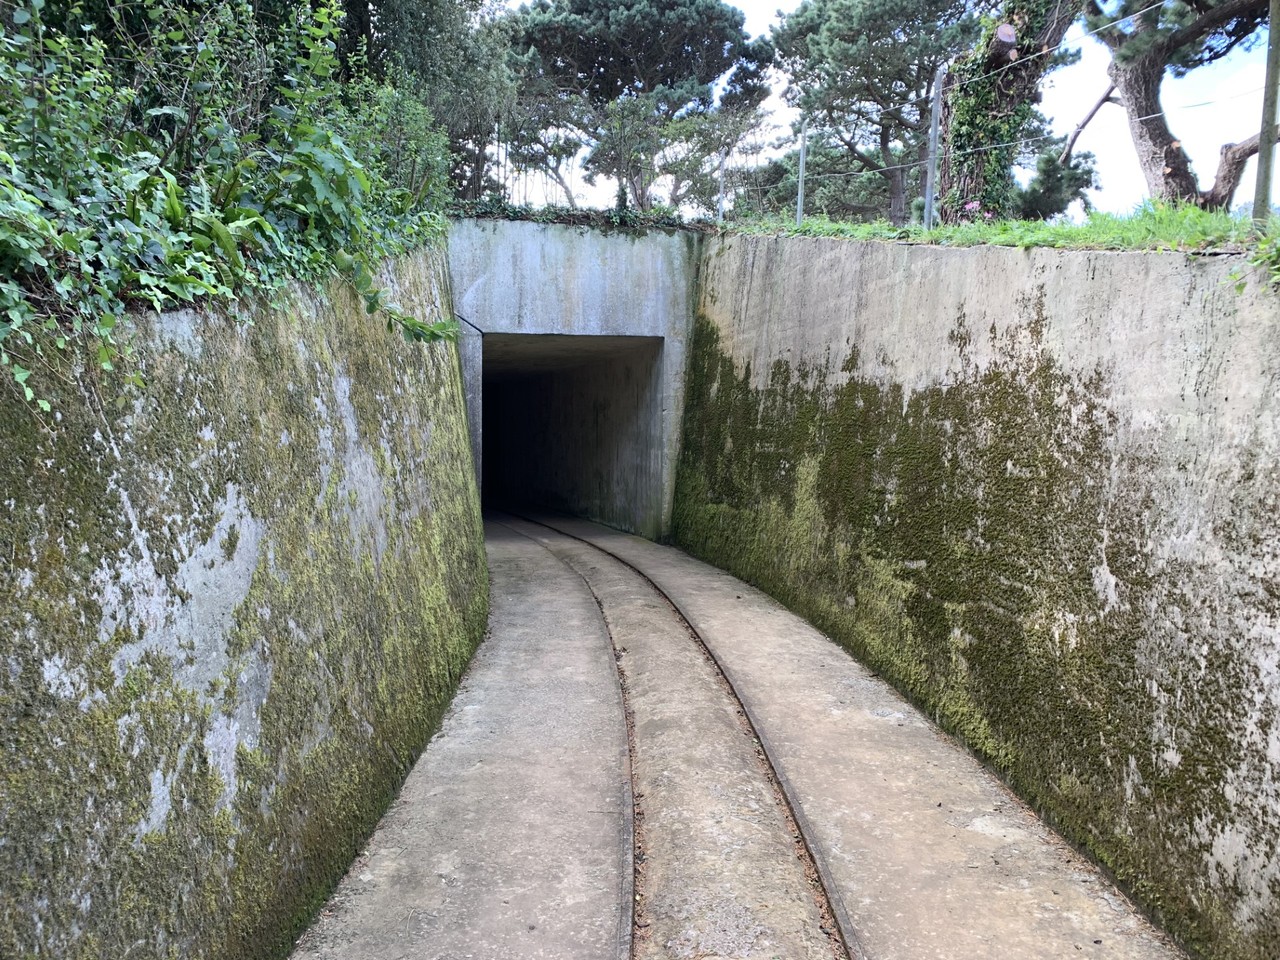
pixel 1016 143
pixel 1031 56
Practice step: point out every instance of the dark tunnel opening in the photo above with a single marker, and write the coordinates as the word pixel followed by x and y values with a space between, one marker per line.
pixel 574 424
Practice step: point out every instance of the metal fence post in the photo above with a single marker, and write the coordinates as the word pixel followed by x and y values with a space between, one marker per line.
pixel 1267 136
pixel 804 147
pixel 935 118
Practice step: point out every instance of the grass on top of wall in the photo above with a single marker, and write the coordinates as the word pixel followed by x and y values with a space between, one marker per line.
pixel 1151 226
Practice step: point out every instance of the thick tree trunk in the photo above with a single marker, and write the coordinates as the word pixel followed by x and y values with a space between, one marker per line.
pixel 895 177
pixel 1165 165
pixel 962 176
pixel 977 154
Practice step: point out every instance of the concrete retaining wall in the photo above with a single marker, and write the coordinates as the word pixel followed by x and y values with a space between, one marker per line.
pixel 1040 491
pixel 230 616
pixel 530 278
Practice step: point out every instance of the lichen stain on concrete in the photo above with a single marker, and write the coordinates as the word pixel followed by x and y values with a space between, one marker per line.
pixel 238 608
pixel 1034 536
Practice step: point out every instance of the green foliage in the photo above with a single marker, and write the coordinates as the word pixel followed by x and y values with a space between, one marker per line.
pixel 831 187
pixel 990 108
pixel 1266 254
pixel 626 81
pixel 1182 34
pixel 673 48
pixel 696 143
pixel 625 217
pixel 1175 37
pixel 1056 185
pixel 212 158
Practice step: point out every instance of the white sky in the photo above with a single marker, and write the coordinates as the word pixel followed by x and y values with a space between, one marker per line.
pixel 1231 91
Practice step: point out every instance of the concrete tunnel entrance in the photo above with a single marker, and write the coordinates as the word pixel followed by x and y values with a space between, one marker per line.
pixel 575 423
pixel 573 353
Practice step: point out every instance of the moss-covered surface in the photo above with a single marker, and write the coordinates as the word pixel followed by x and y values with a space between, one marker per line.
pixel 986 544
pixel 231 614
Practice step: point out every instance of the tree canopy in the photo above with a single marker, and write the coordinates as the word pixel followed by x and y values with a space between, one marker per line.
pixel 630 80
pixel 603 49
pixel 862 72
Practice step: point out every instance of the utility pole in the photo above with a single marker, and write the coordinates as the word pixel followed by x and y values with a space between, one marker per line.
pixel 1267 138
pixel 804 148
pixel 935 120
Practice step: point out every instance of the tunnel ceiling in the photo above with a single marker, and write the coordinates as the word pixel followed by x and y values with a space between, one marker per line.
pixel 519 354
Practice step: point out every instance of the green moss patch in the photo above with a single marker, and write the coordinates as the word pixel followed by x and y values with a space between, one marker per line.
pixel 985 544
pixel 239 607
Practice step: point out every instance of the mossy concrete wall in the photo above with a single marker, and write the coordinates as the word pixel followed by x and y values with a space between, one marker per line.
pixel 231 613
pixel 1040 492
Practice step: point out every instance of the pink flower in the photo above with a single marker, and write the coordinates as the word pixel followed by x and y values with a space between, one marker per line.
pixel 972 206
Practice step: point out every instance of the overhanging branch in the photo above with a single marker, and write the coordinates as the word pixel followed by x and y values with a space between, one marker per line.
pixel 1075 134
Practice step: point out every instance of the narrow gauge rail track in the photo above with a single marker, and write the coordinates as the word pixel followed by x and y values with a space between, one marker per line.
pixel 835 922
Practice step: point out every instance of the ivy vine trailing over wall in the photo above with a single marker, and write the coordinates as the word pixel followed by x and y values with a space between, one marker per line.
pixel 203 155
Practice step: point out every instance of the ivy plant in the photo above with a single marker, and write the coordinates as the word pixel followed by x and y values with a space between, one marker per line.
pixel 208 161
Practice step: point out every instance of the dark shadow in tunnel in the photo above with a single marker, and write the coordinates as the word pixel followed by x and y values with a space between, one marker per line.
pixel 574 424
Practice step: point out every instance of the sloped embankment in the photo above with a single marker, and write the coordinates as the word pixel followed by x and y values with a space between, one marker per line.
pixel 231 614
pixel 1039 492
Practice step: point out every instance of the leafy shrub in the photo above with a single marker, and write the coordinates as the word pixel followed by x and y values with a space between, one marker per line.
pixel 216 156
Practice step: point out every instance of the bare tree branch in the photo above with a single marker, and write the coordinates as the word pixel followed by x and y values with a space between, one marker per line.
pixel 1075 134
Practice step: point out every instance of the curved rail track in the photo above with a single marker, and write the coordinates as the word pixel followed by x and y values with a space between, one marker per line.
pixel 647 758
pixel 835 923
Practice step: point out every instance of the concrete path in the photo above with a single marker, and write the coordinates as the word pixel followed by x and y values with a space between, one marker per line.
pixel 719 873
pixel 933 858
pixel 511 836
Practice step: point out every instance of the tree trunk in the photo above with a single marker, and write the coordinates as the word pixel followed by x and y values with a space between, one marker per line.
pixel 894 174
pixel 1165 165
pixel 558 177
pixel 985 109
pixel 962 178
pixel 639 186
pixel 897 196
pixel 1003 48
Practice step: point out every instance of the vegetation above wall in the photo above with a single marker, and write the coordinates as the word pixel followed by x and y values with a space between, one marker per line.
pixel 1153 226
pixel 162 153
pixel 658 217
